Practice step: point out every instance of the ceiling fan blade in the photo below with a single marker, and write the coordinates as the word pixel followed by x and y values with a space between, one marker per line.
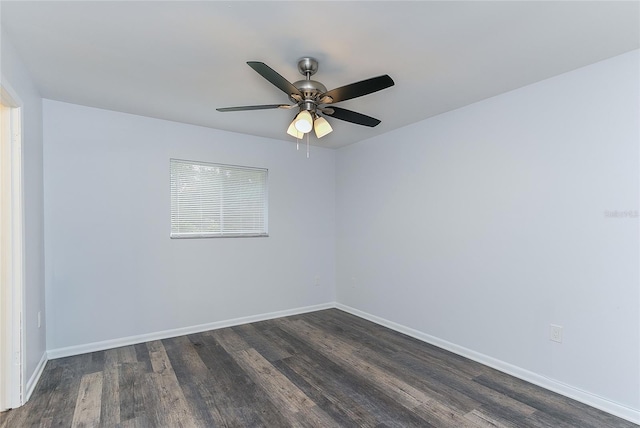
pixel 351 116
pixel 272 76
pixel 358 89
pixel 260 107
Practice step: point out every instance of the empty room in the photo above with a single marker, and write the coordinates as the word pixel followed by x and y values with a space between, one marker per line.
pixel 320 214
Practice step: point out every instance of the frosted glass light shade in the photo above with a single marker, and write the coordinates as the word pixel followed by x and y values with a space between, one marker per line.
pixel 294 132
pixel 322 127
pixel 303 121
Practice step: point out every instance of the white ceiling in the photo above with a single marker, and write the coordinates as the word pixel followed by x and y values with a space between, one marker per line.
pixel 180 60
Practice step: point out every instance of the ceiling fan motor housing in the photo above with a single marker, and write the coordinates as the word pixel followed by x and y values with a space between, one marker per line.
pixel 310 89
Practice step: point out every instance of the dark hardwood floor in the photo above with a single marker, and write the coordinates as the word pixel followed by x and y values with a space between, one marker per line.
pixel 322 369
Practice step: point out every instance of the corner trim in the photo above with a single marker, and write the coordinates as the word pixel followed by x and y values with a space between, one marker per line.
pixel 35 377
pixel 624 412
pixel 166 334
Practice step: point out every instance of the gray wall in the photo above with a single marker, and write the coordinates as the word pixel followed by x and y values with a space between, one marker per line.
pixel 16 77
pixel 113 272
pixel 484 225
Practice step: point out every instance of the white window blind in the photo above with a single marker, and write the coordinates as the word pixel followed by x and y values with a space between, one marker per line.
pixel 214 200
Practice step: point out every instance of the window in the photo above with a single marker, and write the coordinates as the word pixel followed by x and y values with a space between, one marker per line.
pixel 214 200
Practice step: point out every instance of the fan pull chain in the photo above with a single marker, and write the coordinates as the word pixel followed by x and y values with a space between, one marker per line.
pixel 307 146
pixel 297 144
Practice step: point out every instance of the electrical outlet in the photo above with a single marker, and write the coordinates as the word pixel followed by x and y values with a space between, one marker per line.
pixel 555 333
pixel 316 280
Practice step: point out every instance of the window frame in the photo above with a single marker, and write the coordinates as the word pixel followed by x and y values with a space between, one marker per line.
pixel 222 233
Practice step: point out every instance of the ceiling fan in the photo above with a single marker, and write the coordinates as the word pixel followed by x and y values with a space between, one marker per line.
pixel 312 98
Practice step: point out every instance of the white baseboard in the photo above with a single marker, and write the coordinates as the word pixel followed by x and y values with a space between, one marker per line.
pixel 166 334
pixel 35 377
pixel 632 415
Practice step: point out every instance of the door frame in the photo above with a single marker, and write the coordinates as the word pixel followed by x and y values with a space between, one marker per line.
pixel 12 364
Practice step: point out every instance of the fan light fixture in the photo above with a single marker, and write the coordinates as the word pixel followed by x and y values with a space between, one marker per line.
pixel 294 132
pixel 322 127
pixel 303 122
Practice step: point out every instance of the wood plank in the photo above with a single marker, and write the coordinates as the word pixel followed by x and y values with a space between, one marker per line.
pixel 143 405
pixel 62 404
pixel 314 417
pixel 238 399
pixel 293 403
pixel 452 388
pixel 163 380
pixel 194 378
pixel 343 352
pixel 268 349
pixel 155 412
pixel 87 410
pixel 349 398
pixel 137 422
pixel 126 372
pixel 45 423
pixel 110 403
pixel 142 356
pixel 229 339
pixel 484 421
pixel 277 387
pixel 346 394
pixel 439 414
pixel 127 354
pixel 364 384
